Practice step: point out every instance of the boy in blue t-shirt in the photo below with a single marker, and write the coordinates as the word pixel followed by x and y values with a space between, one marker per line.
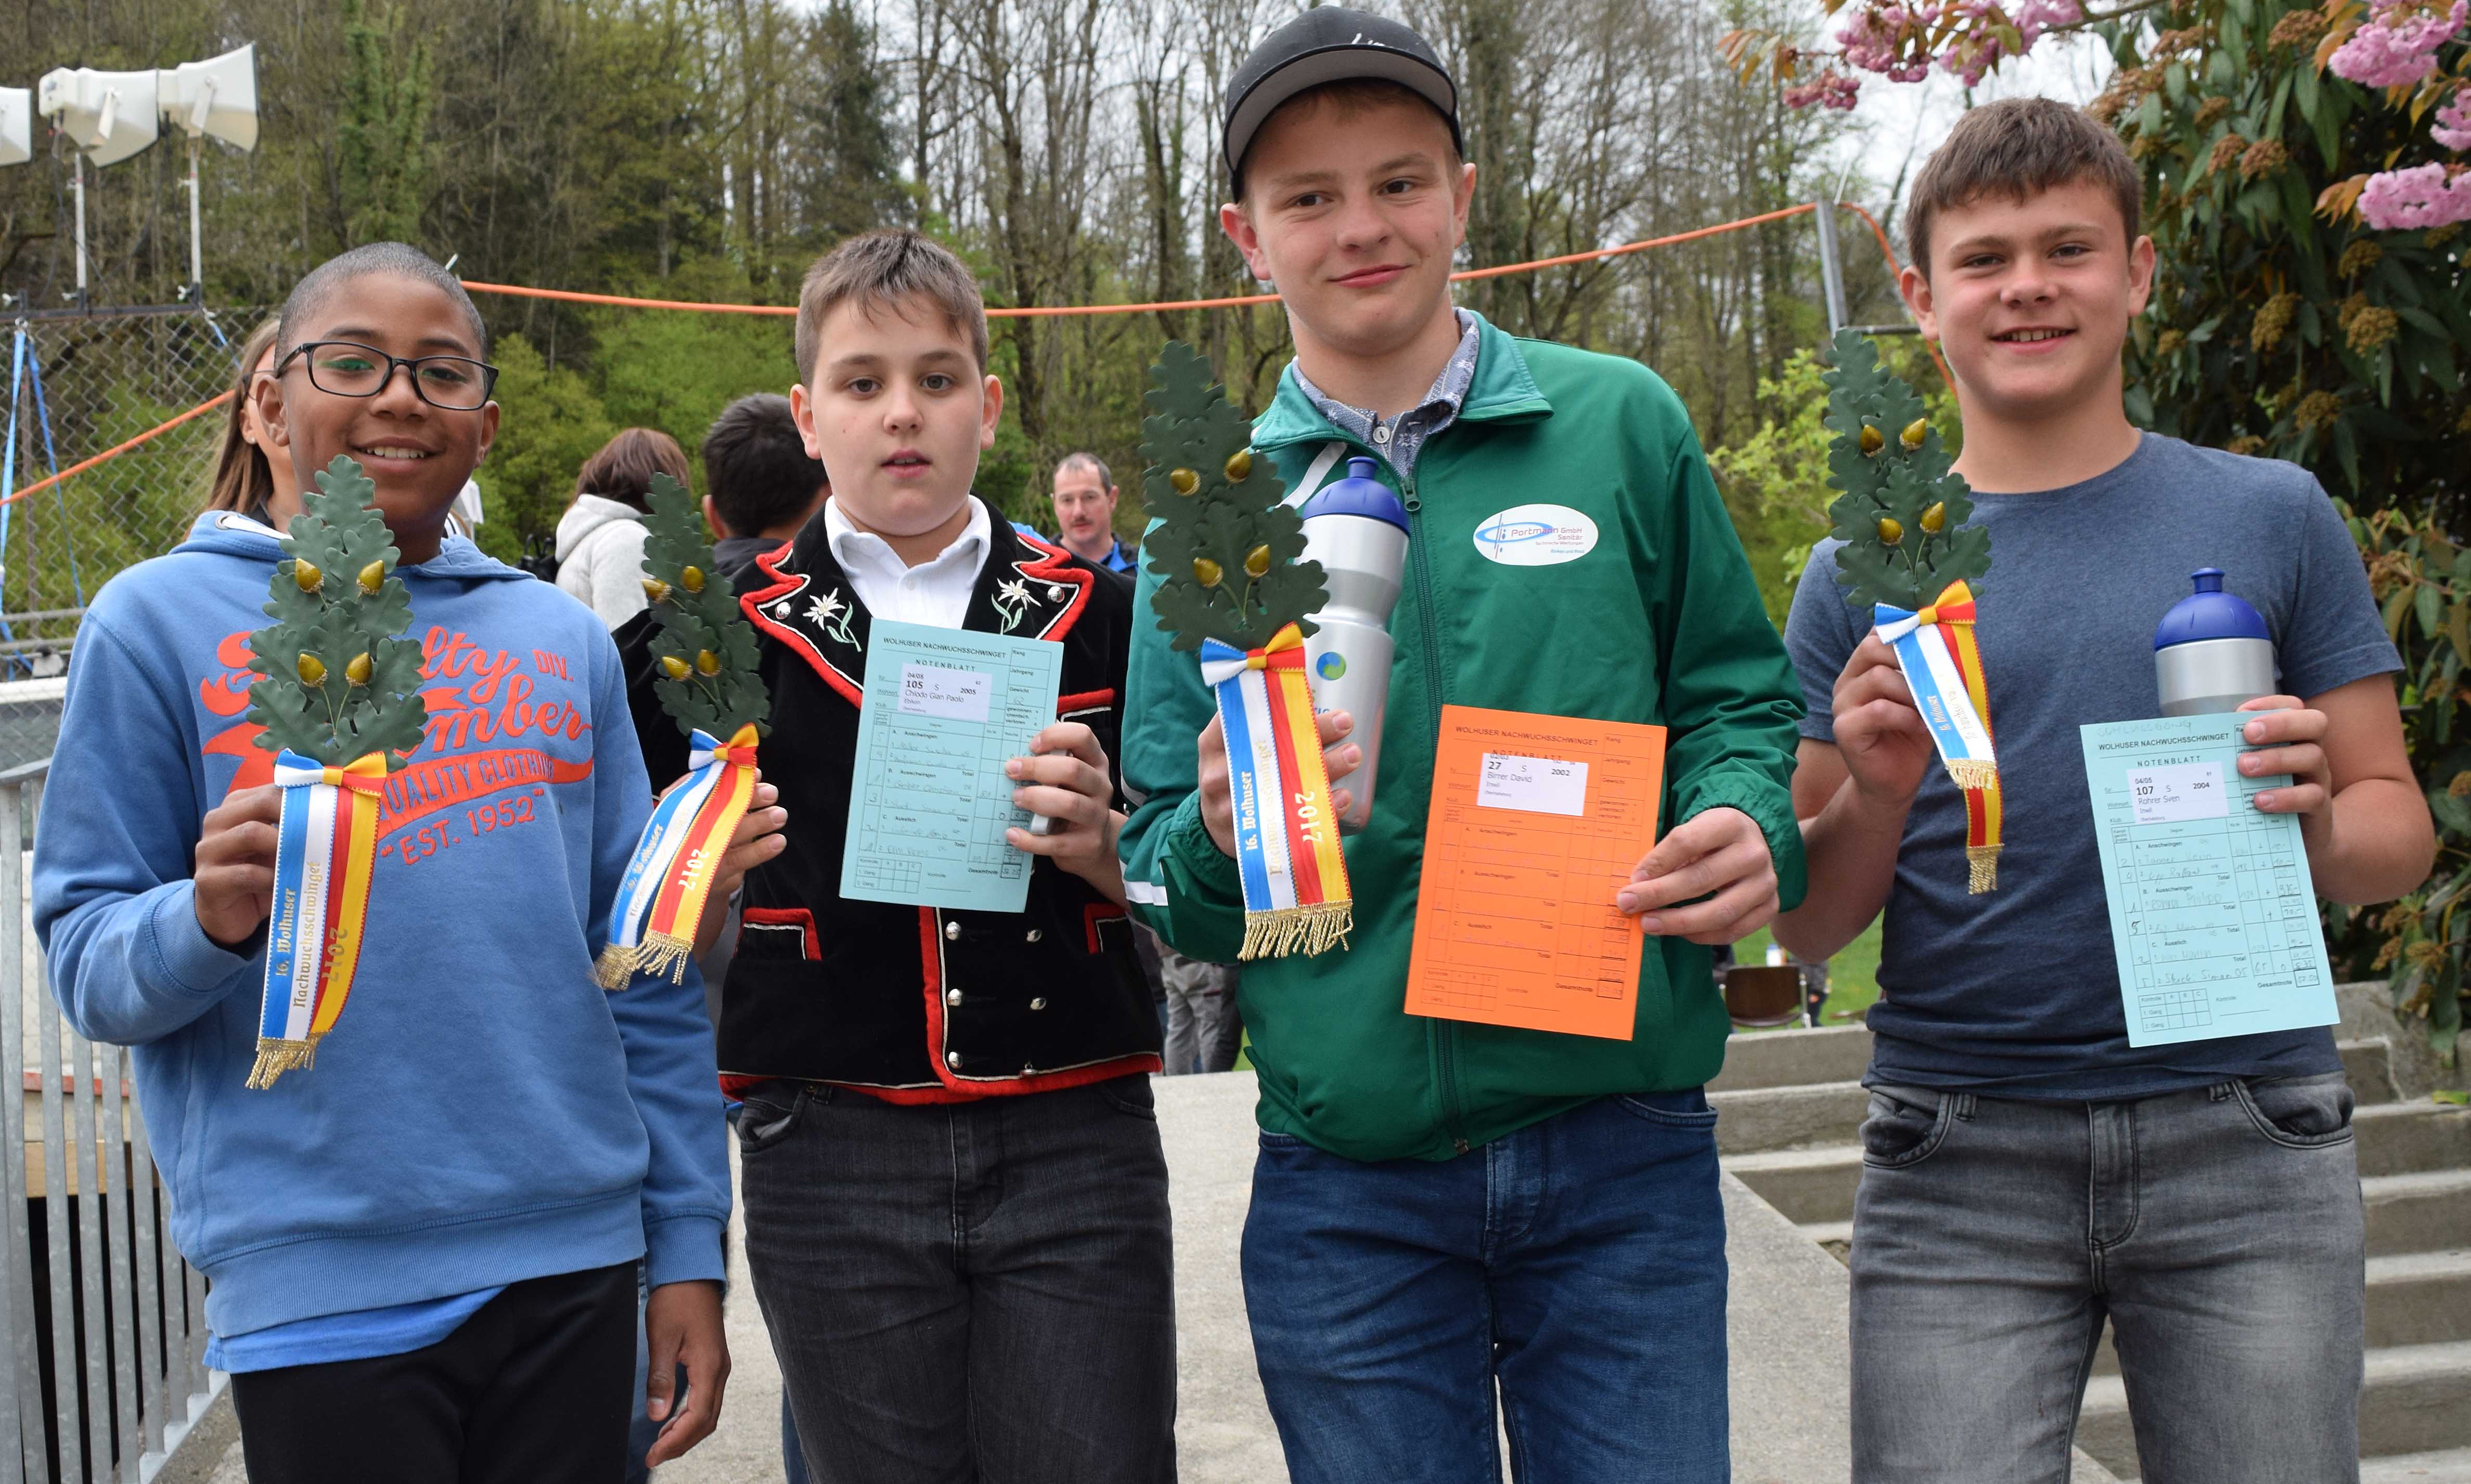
pixel 2027 1173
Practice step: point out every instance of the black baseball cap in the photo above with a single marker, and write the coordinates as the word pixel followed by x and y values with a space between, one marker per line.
pixel 1330 44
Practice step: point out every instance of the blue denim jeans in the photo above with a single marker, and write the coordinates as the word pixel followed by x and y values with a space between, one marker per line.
pixel 2218 1229
pixel 1578 1264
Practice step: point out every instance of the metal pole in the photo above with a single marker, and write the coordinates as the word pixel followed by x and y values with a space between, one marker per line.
pixel 77 188
pixel 1831 268
pixel 197 257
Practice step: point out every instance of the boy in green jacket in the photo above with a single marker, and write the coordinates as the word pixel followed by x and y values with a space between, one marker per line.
pixel 1440 1206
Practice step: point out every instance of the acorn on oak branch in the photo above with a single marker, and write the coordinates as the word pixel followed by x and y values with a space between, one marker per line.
pixel 1872 440
pixel 1185 481
pixel 1915 431
pixel 656 590
pixel 1935 519
pixel 357 671
pixel 1206 572
pixel 1257 561
pixel 307 574
pixel 692 580
pixel 706 661
pixel 1239 465
pixel 1890 531
pixel 372 578
pixel 311 668
pixel 674 667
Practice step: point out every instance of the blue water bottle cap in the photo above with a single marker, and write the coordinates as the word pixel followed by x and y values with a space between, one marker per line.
pixel 1358 494
pixel 2209 613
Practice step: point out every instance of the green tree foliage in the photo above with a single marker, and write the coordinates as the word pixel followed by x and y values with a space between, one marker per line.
pixel 383 152
pixel 2281 324
pixel 705 648
pixel 1225 551
pixel 1903 512
pixel 336 681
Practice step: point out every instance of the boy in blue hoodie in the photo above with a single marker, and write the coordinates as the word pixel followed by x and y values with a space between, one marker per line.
pixel 423 1248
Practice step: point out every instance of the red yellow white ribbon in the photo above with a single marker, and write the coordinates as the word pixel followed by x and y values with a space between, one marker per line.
pixel 661 897
pixel 324 853
pixel 1296 896
pixel 1948 689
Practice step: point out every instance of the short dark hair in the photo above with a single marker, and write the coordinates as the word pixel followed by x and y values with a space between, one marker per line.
pixel 880 269
pixel 623 470
pixel 311 294
pixel 2019 148
pixel 756 467
pixel 1083 459
pixel 1347 98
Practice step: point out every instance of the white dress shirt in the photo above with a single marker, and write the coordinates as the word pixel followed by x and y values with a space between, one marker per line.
pixel 935 592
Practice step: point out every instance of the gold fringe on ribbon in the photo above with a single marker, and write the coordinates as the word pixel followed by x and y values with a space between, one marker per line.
pixel 660 955
pixel 1982 869
pixel 1972 772
pixel 277 1056
pixel 1297 930
pixel 615 968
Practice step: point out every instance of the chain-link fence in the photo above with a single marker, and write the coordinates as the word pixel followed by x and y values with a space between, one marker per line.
pixel 83 386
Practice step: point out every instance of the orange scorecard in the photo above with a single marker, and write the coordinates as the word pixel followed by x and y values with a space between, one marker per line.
pixel 1535 822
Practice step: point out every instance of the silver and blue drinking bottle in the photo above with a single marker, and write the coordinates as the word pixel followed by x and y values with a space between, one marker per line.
pixel 1357 529
pixel 2211 653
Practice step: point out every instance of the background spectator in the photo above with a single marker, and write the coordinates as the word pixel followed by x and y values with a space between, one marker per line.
pixel 246 480
pixel 760 483
pixel 601 538
pixel 1085 512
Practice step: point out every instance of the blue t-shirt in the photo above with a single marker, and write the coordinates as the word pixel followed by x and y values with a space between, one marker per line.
pixel 363 1335
pixel 2016 992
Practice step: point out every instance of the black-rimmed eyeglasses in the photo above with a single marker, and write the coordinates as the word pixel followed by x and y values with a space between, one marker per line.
pixel 347 369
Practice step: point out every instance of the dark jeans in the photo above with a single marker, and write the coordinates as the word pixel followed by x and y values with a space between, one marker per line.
pixel 2218 1229
pixel 532 1389
pixel 1578 1263
pixel 967 1291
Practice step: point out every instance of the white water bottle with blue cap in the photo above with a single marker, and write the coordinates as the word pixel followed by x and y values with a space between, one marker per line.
pixel 2212 652
pixel 1357 529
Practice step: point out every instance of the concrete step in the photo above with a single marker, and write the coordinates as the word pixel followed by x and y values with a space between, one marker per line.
pixel 1791 1058
pixel 1789 1118
pixel 2417 1212
pixel 2451 1466
pixel 2415 1298
pixel 2413 1403
pixel 2368 1065
pixel 1817 1183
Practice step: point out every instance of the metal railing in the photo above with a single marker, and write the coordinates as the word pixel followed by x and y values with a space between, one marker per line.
pixel 102 1325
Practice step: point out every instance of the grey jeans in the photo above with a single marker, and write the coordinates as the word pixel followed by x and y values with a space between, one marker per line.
pixel 1203 1031
pixel 2219 1230
pixel 967 1291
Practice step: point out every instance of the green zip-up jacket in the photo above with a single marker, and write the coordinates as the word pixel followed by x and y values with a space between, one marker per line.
pixel 1659 621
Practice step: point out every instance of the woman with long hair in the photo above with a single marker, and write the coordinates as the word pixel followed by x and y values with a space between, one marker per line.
pixel 248 479
pixel 601 536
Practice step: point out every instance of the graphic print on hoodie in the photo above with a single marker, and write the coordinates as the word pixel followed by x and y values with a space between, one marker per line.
pixel 482 1112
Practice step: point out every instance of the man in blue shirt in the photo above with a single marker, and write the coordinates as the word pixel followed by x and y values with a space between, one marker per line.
pixel 1085 513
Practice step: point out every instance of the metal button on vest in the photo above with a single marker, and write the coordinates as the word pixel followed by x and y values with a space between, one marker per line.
pixel 1055 593
pixel 953 996
pixel 953 931
pixel 953 1059
pixel 1038 1005
pixel 1035 935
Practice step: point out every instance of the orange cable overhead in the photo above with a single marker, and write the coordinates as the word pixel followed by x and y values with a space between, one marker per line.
pixel 570 295
pixel 1896 269
pixel 118 449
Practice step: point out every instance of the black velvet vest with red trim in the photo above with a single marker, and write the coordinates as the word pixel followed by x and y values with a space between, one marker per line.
pixel 915 1003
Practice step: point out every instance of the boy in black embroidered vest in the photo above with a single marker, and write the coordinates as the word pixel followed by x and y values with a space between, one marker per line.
pixel 957 1208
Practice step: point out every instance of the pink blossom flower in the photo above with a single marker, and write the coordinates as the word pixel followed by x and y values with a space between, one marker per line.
pixel 2397 45
pixel 2420 197
pixel 2452 126
pixel 2035 16
pixel 1829 90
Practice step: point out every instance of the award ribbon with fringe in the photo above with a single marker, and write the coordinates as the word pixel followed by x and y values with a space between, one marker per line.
pixel 325 847
pixel 661 897
pixel 1911 555
pixel 1296 896
pixel 1945 669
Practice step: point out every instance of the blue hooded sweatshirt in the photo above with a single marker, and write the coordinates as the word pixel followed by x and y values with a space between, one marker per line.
pixel 482 1112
